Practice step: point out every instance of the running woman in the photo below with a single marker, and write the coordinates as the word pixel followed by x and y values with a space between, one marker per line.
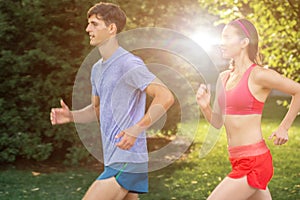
pixel 246 86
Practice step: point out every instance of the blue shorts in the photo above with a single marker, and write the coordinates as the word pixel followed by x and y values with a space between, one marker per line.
pixel 131 176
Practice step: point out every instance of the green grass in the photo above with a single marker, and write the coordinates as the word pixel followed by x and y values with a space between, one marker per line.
pixel 186 179
pixel 17 184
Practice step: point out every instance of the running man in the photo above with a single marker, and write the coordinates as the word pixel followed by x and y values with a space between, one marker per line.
pixel 120 82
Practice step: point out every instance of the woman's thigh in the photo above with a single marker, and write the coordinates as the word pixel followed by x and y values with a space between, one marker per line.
pixel 232 189
pixel 106 189
pixel 261 195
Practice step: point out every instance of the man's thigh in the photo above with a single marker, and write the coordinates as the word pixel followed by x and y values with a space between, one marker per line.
pixel 106 189
pixel 131 196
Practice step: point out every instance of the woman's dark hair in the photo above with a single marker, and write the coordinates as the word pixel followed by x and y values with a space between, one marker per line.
pixel 245 29
pixel 110 13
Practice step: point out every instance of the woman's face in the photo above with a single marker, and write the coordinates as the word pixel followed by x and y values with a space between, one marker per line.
pixel 232 44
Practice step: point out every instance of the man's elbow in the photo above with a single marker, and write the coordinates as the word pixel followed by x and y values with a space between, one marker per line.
pixel 169 99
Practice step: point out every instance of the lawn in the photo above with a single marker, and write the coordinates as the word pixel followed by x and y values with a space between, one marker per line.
pixel 188 178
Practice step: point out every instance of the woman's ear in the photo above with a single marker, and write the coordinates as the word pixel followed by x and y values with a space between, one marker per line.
pixel 245 42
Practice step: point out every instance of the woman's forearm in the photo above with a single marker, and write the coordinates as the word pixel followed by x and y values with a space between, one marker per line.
pixel 215 119
pixel 292 112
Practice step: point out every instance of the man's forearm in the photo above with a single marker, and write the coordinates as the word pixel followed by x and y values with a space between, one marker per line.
pixel 157 109
pixel 88 114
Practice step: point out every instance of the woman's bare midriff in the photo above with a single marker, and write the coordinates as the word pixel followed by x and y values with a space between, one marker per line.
pixel 243 129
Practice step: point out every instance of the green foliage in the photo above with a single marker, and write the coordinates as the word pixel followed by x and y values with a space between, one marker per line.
pixel 76 154
pixel 38 59
pixel 278 26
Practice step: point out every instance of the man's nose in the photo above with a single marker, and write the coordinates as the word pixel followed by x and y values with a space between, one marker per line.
pixel 87 29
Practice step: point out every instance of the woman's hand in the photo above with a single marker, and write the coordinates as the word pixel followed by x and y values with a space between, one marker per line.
pixel 203 96
pixel 281 136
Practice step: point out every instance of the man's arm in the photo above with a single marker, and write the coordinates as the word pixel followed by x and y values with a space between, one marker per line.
pixel 162 101
pixel 88 114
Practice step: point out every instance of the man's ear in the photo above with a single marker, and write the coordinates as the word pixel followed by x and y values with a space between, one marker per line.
pixel 245 42
pixel 112 28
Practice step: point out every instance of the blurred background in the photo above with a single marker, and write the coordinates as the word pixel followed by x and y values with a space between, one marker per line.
pixel 43 43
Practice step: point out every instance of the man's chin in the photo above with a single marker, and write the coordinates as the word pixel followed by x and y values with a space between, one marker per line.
pixel 93 44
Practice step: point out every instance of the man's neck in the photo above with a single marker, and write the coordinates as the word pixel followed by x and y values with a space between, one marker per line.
pixel 108 48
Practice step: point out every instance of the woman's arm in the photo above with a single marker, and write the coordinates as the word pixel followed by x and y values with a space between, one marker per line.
pixel 270 79
pixel 213 115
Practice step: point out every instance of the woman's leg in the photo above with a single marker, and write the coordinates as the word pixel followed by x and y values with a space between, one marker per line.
pixel 232 189
pixel 261 195
pixel 106 189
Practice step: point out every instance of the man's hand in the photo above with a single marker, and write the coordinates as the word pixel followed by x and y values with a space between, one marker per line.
pixel 129 137
pixel 61 115
pixel 127 140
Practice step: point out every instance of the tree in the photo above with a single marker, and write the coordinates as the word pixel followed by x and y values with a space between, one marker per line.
pixel 38 55
pixel 278 26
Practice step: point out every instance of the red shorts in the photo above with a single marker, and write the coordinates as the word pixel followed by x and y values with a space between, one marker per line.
pixel 253 161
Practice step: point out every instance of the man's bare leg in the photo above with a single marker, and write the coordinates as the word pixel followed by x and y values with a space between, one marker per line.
pixel 107 189
pixel 131 196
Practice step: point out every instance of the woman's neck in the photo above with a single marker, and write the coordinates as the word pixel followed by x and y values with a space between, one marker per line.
pixel 241 64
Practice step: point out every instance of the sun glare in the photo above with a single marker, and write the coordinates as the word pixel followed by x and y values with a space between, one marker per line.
pixel 205 39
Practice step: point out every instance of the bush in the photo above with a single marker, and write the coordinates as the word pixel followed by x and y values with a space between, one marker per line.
pixel 38 59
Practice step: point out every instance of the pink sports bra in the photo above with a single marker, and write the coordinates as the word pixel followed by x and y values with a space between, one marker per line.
pixel 239 100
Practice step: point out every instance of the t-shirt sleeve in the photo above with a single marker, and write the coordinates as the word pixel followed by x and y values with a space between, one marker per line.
pixel 138 75
pixel 93 81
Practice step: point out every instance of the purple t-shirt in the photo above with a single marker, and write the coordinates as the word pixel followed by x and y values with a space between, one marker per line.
pixel 120 82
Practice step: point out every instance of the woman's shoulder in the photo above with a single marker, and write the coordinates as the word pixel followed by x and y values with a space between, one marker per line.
pixel 224 73
pixel 261 73
pixel 267 78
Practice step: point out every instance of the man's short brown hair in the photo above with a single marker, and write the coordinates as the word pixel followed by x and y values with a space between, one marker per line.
pixel 110 13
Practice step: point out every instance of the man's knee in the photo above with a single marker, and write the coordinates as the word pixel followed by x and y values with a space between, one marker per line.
pixel 131 196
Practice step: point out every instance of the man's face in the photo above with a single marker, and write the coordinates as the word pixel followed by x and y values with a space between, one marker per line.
pixel 97 30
